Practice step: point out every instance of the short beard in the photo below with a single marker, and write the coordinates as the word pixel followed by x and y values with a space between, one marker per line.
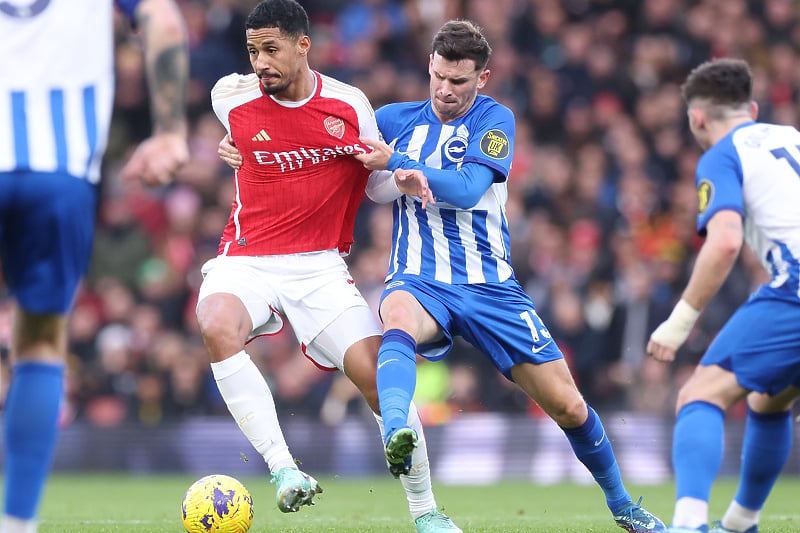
pixel 275 89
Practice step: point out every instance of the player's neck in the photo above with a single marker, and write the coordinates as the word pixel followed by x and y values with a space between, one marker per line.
pixel 301 89
pixel 720 128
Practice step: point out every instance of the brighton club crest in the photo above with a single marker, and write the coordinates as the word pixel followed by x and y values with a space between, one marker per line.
pixel 335 126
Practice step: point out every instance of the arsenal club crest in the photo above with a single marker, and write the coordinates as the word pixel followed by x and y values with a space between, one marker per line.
pixel 335 126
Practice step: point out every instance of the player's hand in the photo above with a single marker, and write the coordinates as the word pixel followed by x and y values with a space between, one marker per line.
pixel 229 153
pixel 414 183
pixel 658 351
pixel 157 159
pixel 673 332
pixel 378 158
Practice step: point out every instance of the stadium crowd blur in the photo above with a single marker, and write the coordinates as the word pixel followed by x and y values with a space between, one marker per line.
pixel 601 199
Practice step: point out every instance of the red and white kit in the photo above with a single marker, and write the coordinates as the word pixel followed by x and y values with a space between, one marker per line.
pixel 299 187
pixel 296 197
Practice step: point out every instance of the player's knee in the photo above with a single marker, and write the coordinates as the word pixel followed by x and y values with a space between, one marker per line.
pixel 217 320
pixel 41 336
pixel 568 410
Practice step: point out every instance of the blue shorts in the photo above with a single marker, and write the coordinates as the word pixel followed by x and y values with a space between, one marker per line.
pixel 761 342
pixel 497 318
pixel 47 223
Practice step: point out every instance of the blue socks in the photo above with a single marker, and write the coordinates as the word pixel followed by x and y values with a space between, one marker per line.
pixel 593 449
pixel 697 444
pixel 30 432
pixel 766 448
pixel 397 378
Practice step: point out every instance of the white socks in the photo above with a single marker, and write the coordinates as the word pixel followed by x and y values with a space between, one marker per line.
pixel 12 524
pixel 417 483
pixel 249 400
pixel 739 518
pixel 690 512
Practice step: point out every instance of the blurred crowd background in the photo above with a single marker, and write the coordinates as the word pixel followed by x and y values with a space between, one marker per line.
pixel 601 203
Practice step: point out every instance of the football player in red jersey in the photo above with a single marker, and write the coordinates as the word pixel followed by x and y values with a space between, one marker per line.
pixel 280 256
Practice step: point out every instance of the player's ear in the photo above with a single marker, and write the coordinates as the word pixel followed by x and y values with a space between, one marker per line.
pixel 304 44
pixel 754 109
pixel 484 77
pixel 697 118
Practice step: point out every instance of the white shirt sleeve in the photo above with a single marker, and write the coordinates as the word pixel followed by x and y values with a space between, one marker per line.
pixel 381 187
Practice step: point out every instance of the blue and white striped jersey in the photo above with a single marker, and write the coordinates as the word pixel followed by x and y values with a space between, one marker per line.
pixel 55 113
pixel 755 170
pixel 445 243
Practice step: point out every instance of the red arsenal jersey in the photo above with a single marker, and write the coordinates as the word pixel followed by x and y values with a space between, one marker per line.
pixel 299 186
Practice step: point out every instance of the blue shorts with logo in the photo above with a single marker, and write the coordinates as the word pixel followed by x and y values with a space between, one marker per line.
pixel 47 224
pixel 497 318
pixel 760 343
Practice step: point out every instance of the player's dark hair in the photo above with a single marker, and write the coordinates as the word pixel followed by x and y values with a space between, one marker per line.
pixel 286 15
pixel 462 39
pixel 722 82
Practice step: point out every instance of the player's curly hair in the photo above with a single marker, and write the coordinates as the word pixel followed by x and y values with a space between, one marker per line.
pixel 462 39
pixel 286 15
pixel 724 82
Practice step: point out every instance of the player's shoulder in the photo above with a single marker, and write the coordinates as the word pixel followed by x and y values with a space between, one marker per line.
pixel 234 85
pixel 401 109
pixel 333 88
pixel 760 134
pixel 488 105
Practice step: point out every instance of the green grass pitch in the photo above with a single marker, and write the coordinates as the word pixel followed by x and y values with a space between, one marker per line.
pixel 138 504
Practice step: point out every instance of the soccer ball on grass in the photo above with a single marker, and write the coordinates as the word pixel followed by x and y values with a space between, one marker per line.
pixel 217 503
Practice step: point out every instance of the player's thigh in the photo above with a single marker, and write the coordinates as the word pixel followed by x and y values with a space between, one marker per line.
pixel 501 321
pixel 349 343
pixel 400 309
pixel 551 386
pixel 325 308
pixel 428 308
pixel 712 384
pixel 243 280
pixel 765 403
pixel 760 343
pixel 48 225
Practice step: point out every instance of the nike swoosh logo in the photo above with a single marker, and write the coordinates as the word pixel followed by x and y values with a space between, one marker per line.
pixel 539 349
pixel 599 442
pixel 387 361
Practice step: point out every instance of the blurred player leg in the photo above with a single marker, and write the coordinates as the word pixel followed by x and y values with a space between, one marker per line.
pixel 47 241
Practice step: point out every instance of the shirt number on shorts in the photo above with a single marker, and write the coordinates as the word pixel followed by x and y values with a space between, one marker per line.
pixel 536 326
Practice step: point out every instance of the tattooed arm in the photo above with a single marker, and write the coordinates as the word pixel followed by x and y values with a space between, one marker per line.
pixel 163 31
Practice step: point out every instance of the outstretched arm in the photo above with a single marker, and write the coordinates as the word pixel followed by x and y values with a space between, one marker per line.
pixel 384 186
pixel 462 188
pixel 714 262
pixel 167 70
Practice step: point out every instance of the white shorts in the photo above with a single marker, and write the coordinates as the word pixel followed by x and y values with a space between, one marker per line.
pixel 311 290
